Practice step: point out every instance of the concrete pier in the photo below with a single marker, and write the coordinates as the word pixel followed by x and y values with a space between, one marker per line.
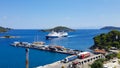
pixel 82 63
pixel 51 48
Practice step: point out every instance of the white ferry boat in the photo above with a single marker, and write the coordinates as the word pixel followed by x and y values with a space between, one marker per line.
pixel 54 34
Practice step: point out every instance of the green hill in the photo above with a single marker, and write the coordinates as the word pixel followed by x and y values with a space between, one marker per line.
pixel 58 29
pixel 108 40
pixel 110 28
pixel 2 29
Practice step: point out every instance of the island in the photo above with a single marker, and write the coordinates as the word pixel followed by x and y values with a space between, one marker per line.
pixel 2 29
pixel 8 36
pixel 58 29
pixel 110 28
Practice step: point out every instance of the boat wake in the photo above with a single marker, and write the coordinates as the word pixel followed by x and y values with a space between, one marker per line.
pixel 73 36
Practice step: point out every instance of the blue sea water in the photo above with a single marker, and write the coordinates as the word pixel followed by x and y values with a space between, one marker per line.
pixel 14 57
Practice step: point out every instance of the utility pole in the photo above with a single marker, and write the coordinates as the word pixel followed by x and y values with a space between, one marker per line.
pixel 27 57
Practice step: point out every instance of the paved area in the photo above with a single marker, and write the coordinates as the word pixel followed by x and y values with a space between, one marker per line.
pixel 59 64
pixel 55 65
pixel 112 64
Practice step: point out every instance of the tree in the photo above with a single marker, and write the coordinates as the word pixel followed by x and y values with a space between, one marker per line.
pixel 108 40
pixel 2 29
pixel 97 64
pixel 118 55
pixel 116 44
pixel 110 56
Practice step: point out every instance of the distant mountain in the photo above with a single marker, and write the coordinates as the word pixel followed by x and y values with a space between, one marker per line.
pixel 110 28
pixel 2 29
pixel 58 29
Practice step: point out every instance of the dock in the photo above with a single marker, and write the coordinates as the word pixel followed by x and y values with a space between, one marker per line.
pixel 50 48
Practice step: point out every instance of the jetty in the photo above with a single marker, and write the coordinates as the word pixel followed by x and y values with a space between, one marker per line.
pixel 42 46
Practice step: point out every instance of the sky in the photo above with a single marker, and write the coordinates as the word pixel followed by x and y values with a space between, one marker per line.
pixel 43 14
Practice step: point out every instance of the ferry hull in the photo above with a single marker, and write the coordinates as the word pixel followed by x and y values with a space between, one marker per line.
pixel 47 37
pixel 50 37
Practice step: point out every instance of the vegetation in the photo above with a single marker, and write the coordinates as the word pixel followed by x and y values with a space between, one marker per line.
pixel 106 41
pixel 2 29
pixel 98 63
pixel 110 28
pixel 57 29
pixel 8 36
pixel 110 56
pixel 118 55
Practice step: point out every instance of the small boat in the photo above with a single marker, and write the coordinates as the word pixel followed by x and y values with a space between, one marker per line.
pixel 40 43
pixel 54 34
pixel 22 44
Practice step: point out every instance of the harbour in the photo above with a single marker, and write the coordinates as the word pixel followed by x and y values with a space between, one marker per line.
pixel 77 59
pixel 41 57
pixel 59 34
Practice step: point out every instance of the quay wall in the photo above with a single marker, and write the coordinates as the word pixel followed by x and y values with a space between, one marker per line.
pixel 83 63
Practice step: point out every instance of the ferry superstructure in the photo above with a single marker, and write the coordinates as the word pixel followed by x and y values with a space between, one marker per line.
pixel 54 34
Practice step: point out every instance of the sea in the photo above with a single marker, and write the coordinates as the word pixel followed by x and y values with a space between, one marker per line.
pixel 14 57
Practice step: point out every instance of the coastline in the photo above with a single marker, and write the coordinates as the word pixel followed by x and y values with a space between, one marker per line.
pixel 10 37
pixel 77 40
